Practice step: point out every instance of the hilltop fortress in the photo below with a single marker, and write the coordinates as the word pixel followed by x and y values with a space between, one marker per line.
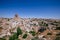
pixel 9 25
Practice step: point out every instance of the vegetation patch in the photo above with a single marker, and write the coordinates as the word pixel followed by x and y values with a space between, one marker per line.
pixel 15 35
pixel 25 36
pixel 57 28
pixel 35 38
pixel 33 33
pixel 42 29
pixel 49 33
pixel 19 31
pixel 2 39
pixel 57 38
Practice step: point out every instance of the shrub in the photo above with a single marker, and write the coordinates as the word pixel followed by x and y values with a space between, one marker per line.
pixel 42 24
pixel 35 38
pixel 8 19
pixel 46 24
pixel 24 36
pixel 2 39
pixel 32 32
pixel 16 39
pixel 58 34
pixel 49 34
pixel 57 28
pixel 42 29
pixel 57 38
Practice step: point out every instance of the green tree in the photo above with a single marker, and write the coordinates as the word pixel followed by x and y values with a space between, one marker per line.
pixel 13 37
pixel 25 36
pixel 10 38
pixel 19 31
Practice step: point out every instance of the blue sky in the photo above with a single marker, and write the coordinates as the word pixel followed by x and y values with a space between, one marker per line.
pixel 30 8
